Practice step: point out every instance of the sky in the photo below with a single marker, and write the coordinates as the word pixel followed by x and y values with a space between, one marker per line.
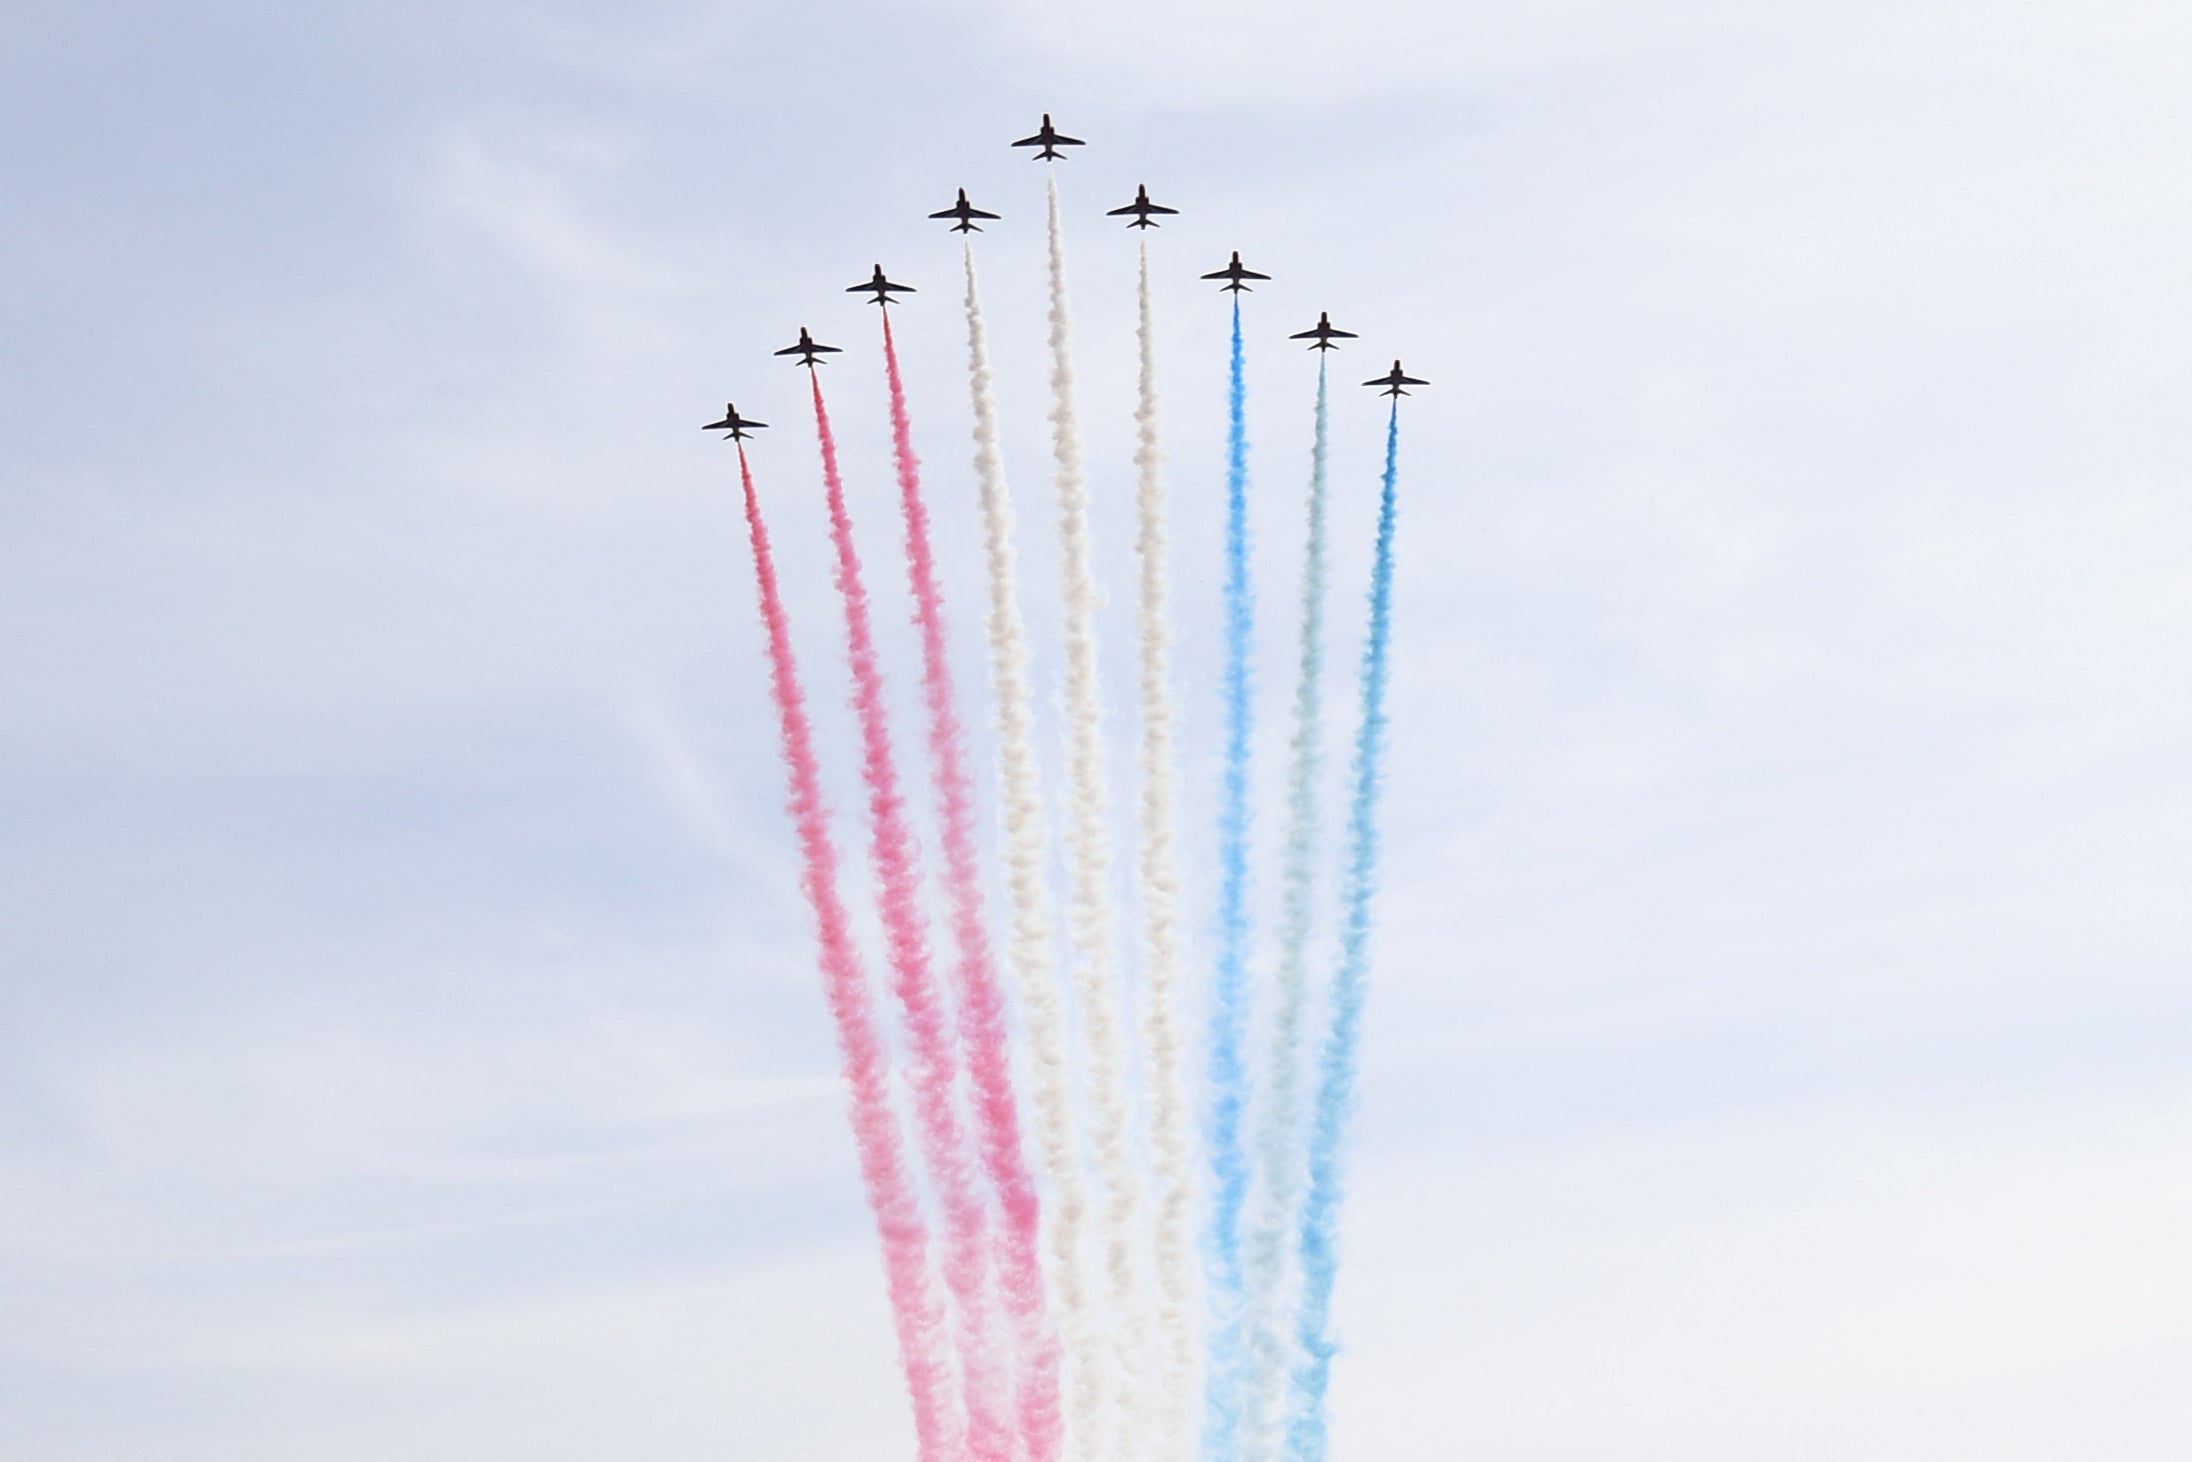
pixel 409 1037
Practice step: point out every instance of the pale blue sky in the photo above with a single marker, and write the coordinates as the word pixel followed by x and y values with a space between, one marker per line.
pixel 409 1044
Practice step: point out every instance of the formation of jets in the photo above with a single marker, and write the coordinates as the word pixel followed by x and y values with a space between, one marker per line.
pixel 1141 213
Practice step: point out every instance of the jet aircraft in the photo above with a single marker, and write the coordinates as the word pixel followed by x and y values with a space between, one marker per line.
pixel 1141 208
pixel 1050 139
pixel 737 424
pixel 1393 381
pixel 966 213
pixel 1235 274
pixel 1324 332
pixel 882 288
pixel 808 349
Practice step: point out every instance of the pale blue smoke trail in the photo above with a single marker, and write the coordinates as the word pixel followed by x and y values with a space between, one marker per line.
pixel 1227 1358
pixel 1278 1136
pixel 1306 1432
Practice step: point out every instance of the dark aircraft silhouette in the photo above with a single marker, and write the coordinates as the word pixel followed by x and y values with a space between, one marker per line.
pixel 808 349
pixel 882 288
pixel 966 213
pixel 1393 381
pixel 1234 273
pixel 738 425
pixel 1324 332
pixel 1050 139
pixel 1141 208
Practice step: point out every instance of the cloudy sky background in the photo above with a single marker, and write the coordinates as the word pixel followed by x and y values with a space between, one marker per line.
pixel 409 1043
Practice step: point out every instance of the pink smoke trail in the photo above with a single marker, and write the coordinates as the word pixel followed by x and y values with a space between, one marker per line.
pixel 928 1023
pixel 914 1306
pixel 981 1000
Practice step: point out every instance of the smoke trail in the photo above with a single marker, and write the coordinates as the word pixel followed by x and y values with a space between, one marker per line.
pixel 1278 1140
pixel 1306 1433
pixel 1026 852
pixel 981 1003
pixel 1229 1005
pixel 1160 887
pixel 914 1305
pixel 928 1024
pixel 1091 919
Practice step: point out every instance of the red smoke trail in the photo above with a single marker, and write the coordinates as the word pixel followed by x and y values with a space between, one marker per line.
pixel 928 1022
pixel 891 1194
pixel 981 1000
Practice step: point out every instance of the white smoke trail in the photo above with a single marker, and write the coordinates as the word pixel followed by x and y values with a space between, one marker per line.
pixel 1026 852
pixel 1280 1141
pixel 1092 919
pixel 1169 1141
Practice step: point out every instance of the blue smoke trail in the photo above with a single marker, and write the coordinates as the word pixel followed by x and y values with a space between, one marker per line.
pixel 1306 1431
pixel 1229 1013
pixel 1278 1138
